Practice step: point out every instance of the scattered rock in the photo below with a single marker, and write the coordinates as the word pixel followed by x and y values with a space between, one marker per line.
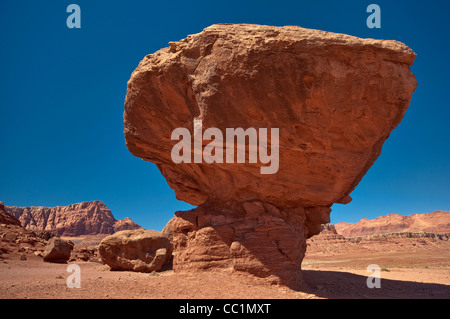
pixel 14 239
pixel 57 250
pixel 136 250
pixel 7 219
pixel 45 235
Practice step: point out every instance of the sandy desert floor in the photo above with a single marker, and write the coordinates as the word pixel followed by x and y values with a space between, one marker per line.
pixel 403 275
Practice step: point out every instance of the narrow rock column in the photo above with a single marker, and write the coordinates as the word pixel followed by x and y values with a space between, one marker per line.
pixel 251 237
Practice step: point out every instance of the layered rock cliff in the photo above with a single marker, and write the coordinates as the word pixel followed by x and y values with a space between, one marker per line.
pixel 87 218
pixel 329 242
pixel 434 222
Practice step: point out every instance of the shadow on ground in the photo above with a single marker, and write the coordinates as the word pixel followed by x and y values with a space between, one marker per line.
pixel 344 285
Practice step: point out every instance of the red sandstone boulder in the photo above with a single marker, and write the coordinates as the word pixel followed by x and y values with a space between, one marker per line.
pixel 57 250
pixel 334 98
pixel 137 250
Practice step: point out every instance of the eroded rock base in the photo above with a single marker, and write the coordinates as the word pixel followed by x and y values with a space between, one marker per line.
pixel 252 237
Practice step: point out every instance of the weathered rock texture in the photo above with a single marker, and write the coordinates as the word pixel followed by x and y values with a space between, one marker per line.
pixel 57 250
pixel 6 218
pixel 435 222
pixel 136 250
pixel 329 242
pixel 87 218
pixel 16 240
pixel 335 99
pixel 252 237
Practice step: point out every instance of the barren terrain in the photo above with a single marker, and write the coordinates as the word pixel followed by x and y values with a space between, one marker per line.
pixel 420 274
pixel 412 264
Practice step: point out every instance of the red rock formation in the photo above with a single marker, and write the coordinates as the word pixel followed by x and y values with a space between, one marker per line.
pixel 125 224
pixel 137 250
pixel 14 239
pixel 57 250
pixel 252 237
pixel 334 98
pixel 435 222
pixel 330 243
pixel 6 218
pixel 87 218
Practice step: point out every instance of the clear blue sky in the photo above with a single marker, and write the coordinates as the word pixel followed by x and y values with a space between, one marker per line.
pixel 62 93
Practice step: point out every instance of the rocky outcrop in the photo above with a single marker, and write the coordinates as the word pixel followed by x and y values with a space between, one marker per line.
pixel 334 99
pixel 15 241
pixel 435 222
pixel 328 242
pixel 57 250
pixel 136 250
pixel 87 218
pixel 6 218
pixel 125 224
pixel 254 237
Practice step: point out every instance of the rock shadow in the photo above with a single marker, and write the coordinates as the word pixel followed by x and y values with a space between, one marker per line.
pixel 344 285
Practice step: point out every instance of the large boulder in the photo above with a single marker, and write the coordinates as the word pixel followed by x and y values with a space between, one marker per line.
pixel 137 250
pixel 57 250
pixel 334 99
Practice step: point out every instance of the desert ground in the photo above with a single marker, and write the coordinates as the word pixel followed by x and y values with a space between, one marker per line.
pixel 422 274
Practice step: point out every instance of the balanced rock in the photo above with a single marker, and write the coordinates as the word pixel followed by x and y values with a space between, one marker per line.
pixel 329 101
pixel 57 250
pixel 137 250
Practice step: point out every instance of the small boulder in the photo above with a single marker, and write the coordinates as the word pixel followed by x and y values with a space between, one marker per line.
pixel 57 250
pixel 137 250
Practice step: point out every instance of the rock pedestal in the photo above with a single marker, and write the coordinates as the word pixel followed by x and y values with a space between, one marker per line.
pixel 334 99
pixel 251 237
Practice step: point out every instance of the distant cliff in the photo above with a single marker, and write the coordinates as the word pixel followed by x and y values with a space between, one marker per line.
pixel 330 242
pixel 87 218
pixel 435 222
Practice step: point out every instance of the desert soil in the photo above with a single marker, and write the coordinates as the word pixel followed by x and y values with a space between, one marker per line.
pixel 403 275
